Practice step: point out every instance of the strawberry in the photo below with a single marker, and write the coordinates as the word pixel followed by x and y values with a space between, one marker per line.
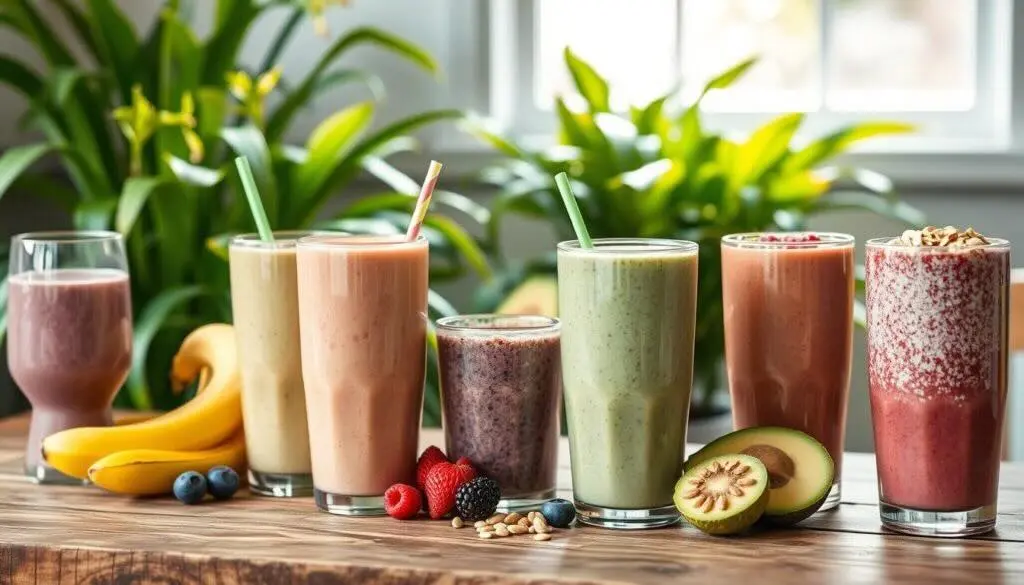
pixel 431 457
pixel 465 469
pixel 402 501
pixel 442 483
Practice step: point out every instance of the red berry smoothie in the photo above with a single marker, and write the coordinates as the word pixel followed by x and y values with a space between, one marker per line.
pixel 788 305
pixel 937 368
pixel 501 385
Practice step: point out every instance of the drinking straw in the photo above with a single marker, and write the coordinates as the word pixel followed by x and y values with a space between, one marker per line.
pixel 423 202
pixel 569 199
pixel 252 193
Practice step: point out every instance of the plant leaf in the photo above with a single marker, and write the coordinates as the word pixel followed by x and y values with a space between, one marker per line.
pixel 94 214
pixel 765 147
pixel 650 119
pixel 879 205
pixel 463 243
pixel 196 175
pixel 589 84
pixel 234 18
pixel 74 15
pixel 134 195
pixel 19 76
pixel 116 38
pixel 17 160
pixel 148 324
pixel 328 144
pixel 484 130
pixel 296 100
pixel 728 77
pixel 249 142
pixel 829 146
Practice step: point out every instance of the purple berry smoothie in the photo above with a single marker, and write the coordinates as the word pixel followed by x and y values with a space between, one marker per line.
pixel 501 392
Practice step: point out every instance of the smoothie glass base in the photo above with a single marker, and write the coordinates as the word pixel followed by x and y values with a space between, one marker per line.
pixel 281 485
pixel 349 505
pixel 938 523
pixel 524 501
pixel 623 519
pixel 41 473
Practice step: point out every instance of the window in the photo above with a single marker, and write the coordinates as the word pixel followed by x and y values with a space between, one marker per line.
pixel 941 64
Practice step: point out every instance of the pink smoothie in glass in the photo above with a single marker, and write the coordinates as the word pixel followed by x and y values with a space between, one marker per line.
pixel 788 304
pixel 937 362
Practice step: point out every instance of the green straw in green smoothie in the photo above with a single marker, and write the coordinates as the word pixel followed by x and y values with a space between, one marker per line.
pixel 252 193
pixel 569 199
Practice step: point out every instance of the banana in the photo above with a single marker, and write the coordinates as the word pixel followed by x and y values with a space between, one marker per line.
pixel 151 472
pixel 204 422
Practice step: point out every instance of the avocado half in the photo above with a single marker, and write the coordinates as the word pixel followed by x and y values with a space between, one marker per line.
pixel 800 469
pixel 537 295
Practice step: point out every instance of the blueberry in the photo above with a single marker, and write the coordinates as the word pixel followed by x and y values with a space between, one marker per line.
pixel 190 487
pixel 559 513
pixel 223 482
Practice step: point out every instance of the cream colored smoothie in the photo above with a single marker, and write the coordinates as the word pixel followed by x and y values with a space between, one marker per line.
pixel 362 315
pixel 628 311
pixel 264 300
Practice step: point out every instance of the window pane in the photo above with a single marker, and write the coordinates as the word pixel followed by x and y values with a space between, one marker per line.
pixel 632 44
pixel 784 33
pixel 902 55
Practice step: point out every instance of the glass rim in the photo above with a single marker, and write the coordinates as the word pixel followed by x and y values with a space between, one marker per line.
pixel 467 323
pixel 888 243
pixel 68 237
pixel 282 238
pixel 643 246
pixel 752 240
pixel 358 241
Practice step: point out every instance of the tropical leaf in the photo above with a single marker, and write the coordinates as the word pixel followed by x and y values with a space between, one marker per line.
pixel 193 174
pixel 249 142
pixel 136 192
pixel 836 143
pixel 729 76
pixel 282 117
pixel 17 160
pixel 94 214
pixel 463 243
pixel 147 325
pixel 234 18
pixel 589 84
pixel 21 77
pixel 328 144
pixel 115 37
pixel 765 147
pixel 77 19
pixel 882 206
pixel 485 131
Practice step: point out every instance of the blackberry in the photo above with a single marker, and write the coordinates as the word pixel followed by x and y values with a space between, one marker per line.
pixel 477 499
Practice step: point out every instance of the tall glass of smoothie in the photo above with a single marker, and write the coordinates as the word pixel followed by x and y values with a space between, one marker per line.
pixel 628 308
pixel 787 299
pixel 362 318
pixel 265 303
pixel 501 392
pixel 69 344
pixel 937 305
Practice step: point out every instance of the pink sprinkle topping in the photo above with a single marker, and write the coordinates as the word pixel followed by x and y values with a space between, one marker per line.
pixel 790 238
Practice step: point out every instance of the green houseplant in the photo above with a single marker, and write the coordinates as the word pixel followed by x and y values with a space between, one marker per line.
pixel 147 137
pixel 656 171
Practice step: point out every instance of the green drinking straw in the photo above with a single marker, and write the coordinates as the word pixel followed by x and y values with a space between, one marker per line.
pixel 569 199
pixel 252 193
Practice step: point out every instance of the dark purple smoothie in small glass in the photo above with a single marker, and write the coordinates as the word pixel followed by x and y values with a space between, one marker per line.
pixel 501 391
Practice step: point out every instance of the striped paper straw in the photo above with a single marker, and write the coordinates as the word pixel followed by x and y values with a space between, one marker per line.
pixel 423 202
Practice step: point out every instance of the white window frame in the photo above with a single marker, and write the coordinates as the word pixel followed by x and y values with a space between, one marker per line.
pixel 983 146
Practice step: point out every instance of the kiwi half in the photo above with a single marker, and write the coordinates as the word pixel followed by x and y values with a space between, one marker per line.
pixel 723 495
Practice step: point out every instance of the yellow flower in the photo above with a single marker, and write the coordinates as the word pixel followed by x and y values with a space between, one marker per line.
pixel 141 120
pixel 316 9
pixel 252 95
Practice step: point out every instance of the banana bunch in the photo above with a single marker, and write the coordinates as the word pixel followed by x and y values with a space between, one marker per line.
pixel 144 457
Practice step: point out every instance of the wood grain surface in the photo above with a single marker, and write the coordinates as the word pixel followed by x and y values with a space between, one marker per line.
pixel 68 535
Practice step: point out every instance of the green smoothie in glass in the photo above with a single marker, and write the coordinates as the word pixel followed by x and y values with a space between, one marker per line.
pixel 628 308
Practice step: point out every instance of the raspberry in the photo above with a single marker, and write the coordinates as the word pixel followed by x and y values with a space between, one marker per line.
pixel 442 482
pixel 431 457
pixel 402 501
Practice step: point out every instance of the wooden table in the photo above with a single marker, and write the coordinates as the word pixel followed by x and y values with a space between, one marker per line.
pixel 60 535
